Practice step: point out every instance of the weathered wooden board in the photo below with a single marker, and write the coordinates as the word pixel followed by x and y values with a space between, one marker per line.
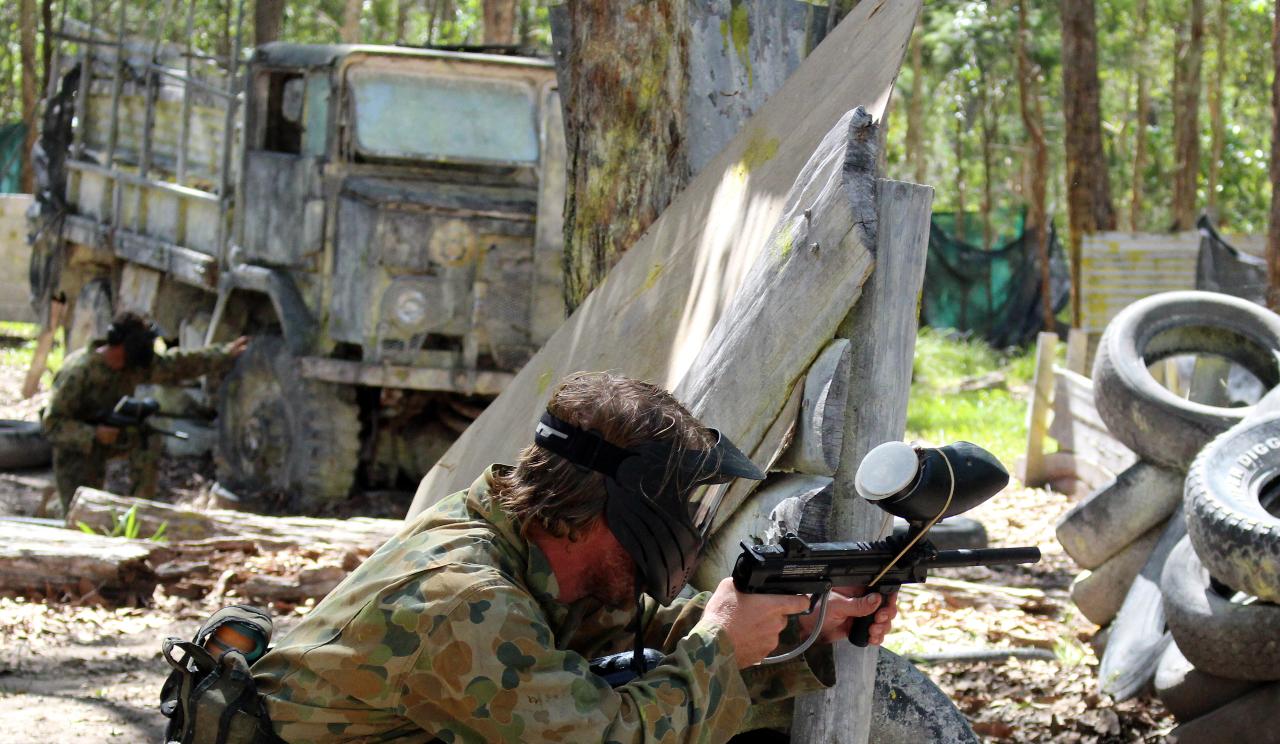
pixel 1033 471
pixel 1118 268
pixel 659 305
pixel 1079 430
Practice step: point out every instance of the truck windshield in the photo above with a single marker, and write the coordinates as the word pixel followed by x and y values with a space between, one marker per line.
pixel 408 115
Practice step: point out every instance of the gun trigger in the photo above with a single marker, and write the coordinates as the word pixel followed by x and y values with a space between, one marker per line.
pixel 814 599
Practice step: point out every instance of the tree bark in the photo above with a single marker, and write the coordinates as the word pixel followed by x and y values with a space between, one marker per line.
pixel 350 31
pixel 1273 223
pixel 268 18
pixel 30 88
pixel 1142 115
pixel 1089 206
pixel 1186 122
pixel 500 22
pixel 1217 89
pixel 1033 123
pixel 624 101
pixel 961 202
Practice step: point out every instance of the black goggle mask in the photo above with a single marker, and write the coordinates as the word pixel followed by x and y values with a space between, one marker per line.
pixel 648 505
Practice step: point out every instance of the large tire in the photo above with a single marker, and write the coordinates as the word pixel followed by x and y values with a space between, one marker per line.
pixel 1145 416
pixel 22 445
pixel 1223 638
pixel 1189 693
pixel 279 432
pixel 1229 488
pixel 908 707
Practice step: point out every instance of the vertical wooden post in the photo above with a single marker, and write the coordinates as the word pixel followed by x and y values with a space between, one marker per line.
pixel 43 344
pixel 1078 351
pixel 1033 471
pixel 184 136
pixel 882 330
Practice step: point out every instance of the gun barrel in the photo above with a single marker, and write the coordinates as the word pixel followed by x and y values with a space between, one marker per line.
pixel 985 557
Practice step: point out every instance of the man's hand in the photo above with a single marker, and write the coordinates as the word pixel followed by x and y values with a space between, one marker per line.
pixel 752 621
pixel 843 606
pixel 237 347
pixel 106 435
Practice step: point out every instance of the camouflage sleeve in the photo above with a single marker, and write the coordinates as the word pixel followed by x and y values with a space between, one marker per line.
pixel 59 422
pixel 812 671
pixel 494 675
pixel 183 364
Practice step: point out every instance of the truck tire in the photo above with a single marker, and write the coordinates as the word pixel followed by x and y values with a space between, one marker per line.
pixel 1218 636
pixel 1189 693
pixel 22 445
pixel 281 433
pixel 1232 503
pixel 1145 416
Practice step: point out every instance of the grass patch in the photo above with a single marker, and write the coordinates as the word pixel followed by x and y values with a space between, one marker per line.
pixel 994 418
pixel 18 347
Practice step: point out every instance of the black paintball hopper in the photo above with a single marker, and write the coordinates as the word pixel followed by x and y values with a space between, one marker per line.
pixel 915 482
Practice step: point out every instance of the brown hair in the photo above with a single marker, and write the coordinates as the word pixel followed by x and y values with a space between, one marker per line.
pixel 561 497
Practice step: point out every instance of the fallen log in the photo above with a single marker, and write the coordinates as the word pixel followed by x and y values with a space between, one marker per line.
pixel 35 559
pixel 100 509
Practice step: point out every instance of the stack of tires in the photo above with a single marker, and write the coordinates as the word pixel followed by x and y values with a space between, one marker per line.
pixel 1182 550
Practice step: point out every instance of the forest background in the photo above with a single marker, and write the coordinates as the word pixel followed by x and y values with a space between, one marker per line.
pixel 983 104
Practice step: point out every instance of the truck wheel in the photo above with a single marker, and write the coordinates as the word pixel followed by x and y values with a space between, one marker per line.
pixel 1218 636
pixel 1142 414
pixel 22 445
pixel 1232 503
pixel 279 432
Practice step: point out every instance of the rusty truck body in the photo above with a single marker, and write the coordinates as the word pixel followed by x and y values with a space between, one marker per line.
pixel 385 221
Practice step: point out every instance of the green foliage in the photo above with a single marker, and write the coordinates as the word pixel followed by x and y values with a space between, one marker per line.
pixel 970 91
pixel 18 345
pixel 994 418
pixel 126 525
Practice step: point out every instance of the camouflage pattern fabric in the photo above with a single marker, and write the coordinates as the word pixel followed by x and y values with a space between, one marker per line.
pixel 85 387
pixel 452 631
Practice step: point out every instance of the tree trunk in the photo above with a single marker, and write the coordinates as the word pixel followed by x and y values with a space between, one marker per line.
pixel 402 20
pixel 624 100
pixel 30 88
pixel 1142 115
pixel 47 42
pixel 500 22
pixel 1186 122
pixel 1217 89
pixel 1273 223
pixel 916 134
pixel 1088 190
pixel 350 31
pixel 268 17
pixel 1033 122
pixel 989 134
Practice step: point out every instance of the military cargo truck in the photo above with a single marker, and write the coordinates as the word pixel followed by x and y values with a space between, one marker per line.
pixel 384 221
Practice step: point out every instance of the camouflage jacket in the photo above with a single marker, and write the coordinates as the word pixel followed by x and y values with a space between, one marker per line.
pixel 85 387
pixel 452 630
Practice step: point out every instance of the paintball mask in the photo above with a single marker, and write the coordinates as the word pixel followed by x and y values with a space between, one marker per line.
pixel 649 486
pixel 138 340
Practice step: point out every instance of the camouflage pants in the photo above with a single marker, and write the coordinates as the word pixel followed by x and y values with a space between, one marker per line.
pixel 73 468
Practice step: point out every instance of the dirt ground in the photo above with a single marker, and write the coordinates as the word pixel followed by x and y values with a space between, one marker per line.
pixel 93 674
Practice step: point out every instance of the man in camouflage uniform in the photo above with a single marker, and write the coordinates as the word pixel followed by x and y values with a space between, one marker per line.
pixel 91 382
pixel 475 623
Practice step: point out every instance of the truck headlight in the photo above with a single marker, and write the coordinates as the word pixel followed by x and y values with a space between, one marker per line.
pixel 410 308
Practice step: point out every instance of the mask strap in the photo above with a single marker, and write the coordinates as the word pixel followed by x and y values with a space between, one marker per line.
pixel 583 448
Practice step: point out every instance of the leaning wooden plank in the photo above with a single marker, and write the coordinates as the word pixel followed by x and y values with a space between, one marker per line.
pixel 882 330
pixel 100 509
pixel 773 329
pixel 38 559
pixel 655 310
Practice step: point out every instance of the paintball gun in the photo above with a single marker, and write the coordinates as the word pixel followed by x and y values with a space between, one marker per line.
pixel 923 485
pixel 132 413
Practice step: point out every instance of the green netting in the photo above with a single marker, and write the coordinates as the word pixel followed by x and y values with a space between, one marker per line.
pixel 11 136
pixel 992 293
